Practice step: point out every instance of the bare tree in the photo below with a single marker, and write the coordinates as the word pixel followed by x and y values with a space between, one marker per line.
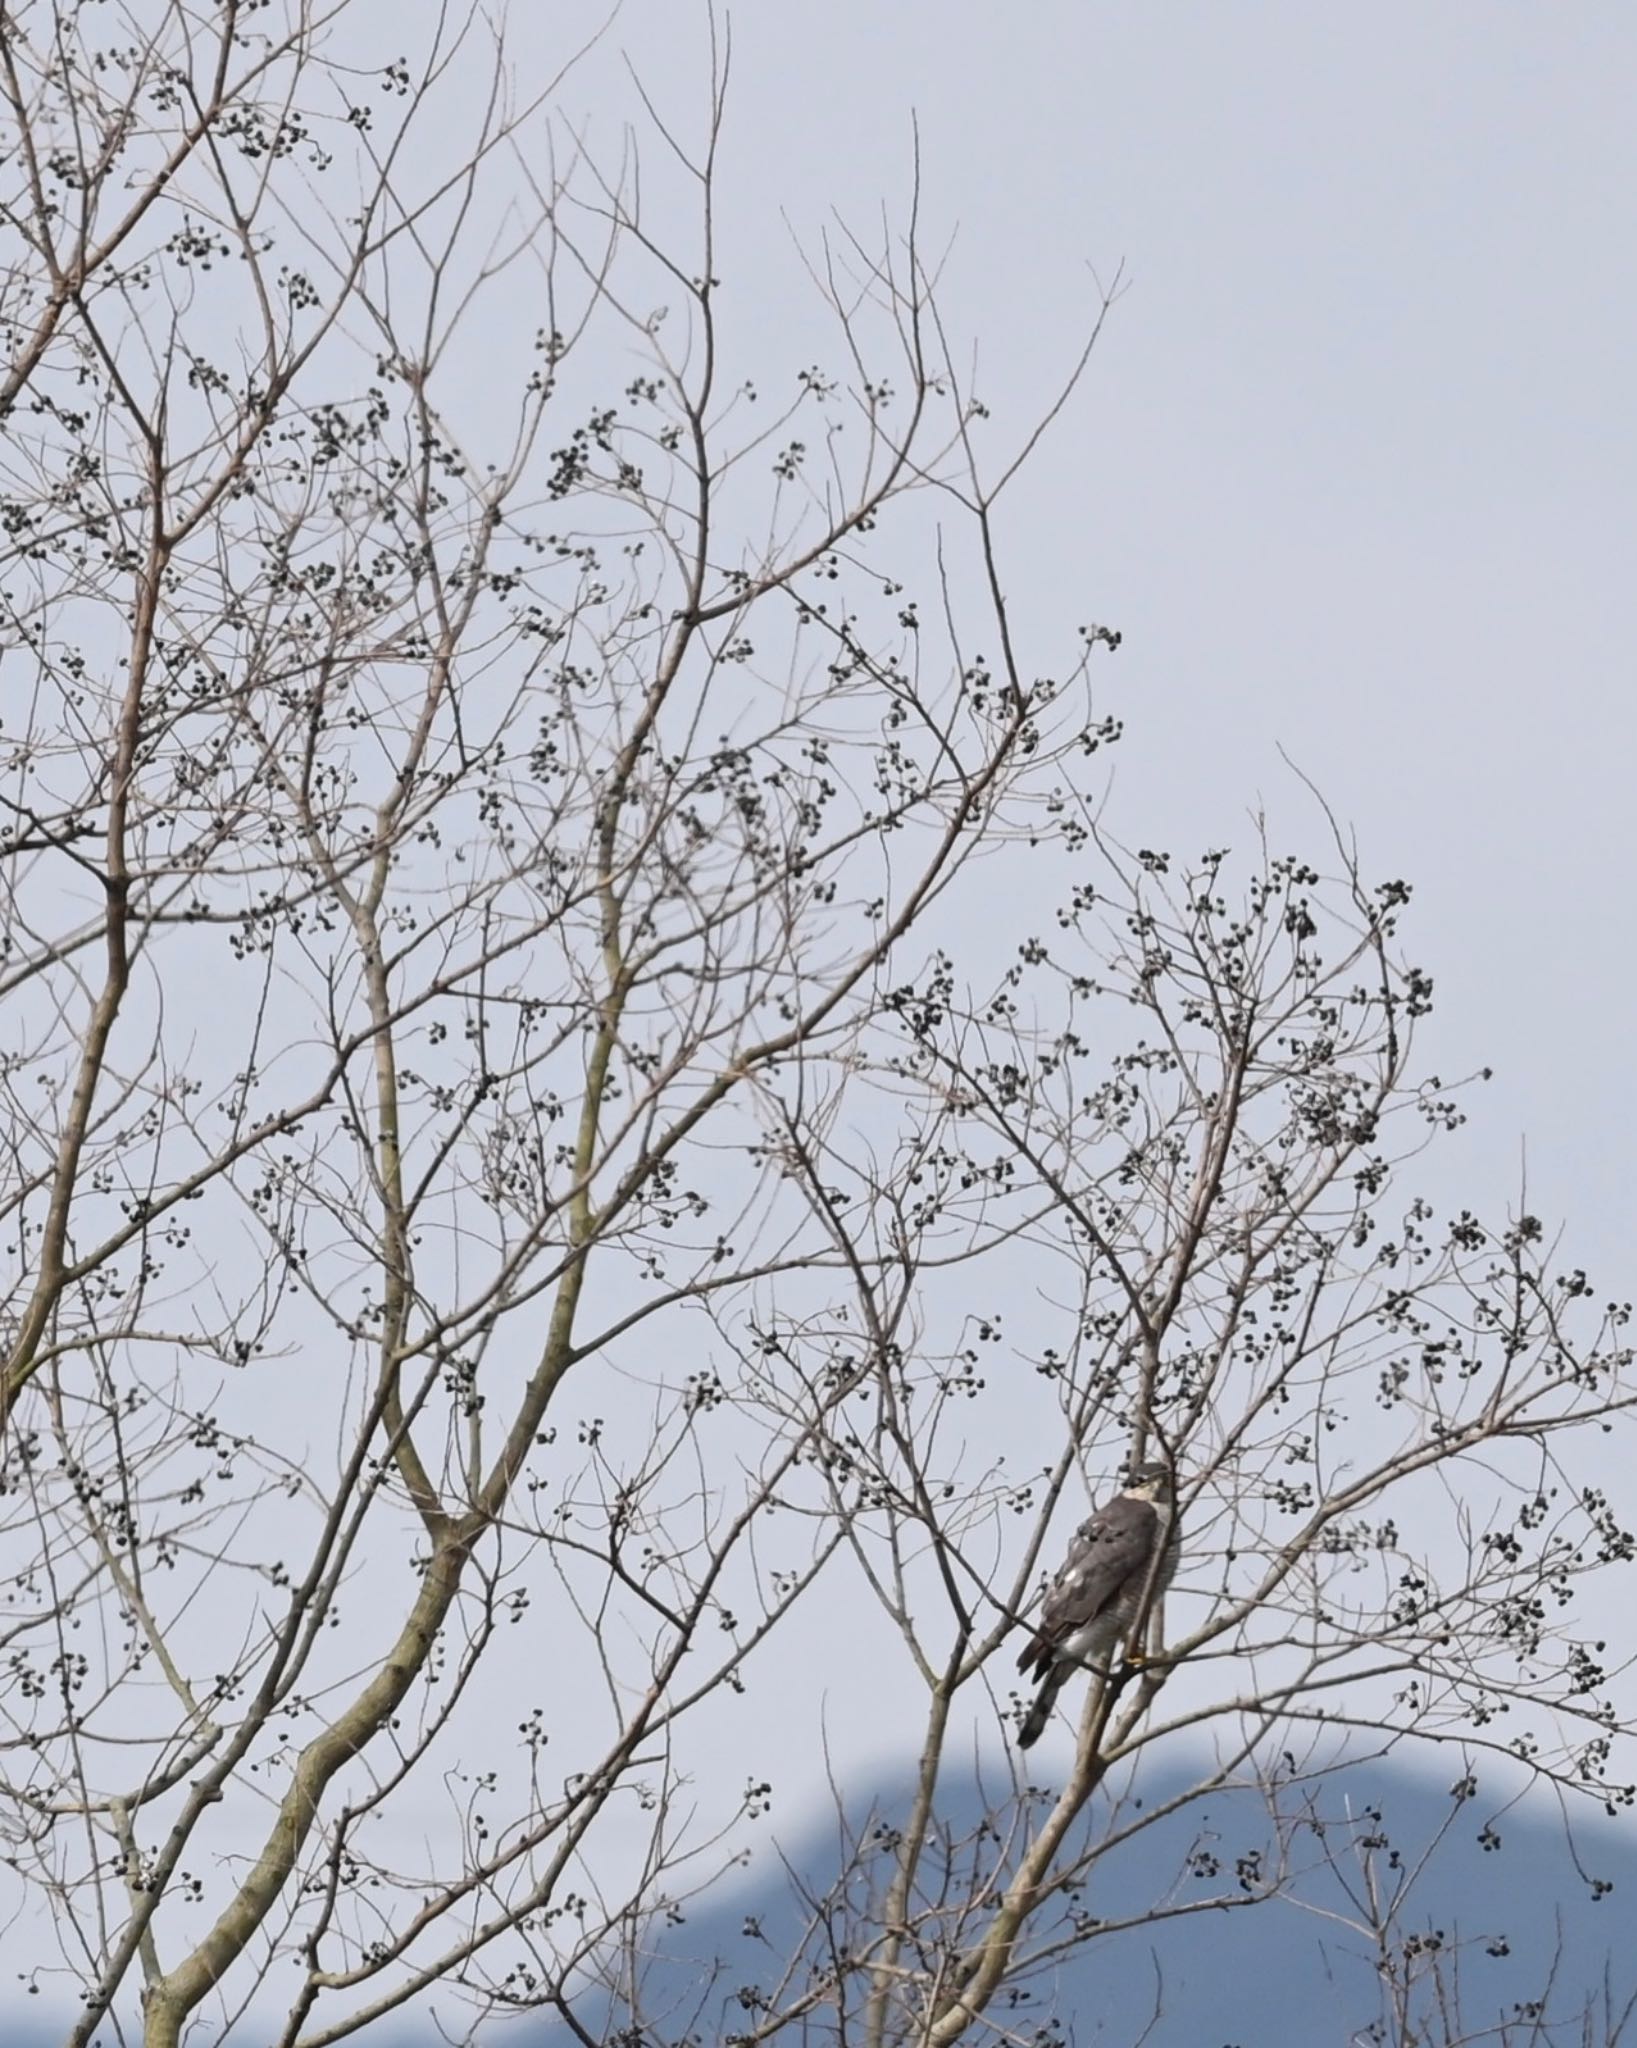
pixel 525 1063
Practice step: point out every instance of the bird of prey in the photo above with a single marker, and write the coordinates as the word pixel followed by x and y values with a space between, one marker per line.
pixel 1094 1600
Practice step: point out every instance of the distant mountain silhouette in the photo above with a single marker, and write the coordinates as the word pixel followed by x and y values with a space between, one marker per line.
pixel 1501 1904
pixel 1503 1912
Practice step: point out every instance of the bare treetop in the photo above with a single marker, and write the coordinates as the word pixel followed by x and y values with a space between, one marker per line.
pixel 570 988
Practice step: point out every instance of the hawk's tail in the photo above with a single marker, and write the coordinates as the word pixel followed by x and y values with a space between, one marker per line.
pixel 1034 1723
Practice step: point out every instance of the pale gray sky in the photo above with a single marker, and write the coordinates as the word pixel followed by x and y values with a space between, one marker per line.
pixel 1356 468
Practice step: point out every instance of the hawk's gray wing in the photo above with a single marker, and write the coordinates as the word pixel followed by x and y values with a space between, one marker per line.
pixel 1111 1551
